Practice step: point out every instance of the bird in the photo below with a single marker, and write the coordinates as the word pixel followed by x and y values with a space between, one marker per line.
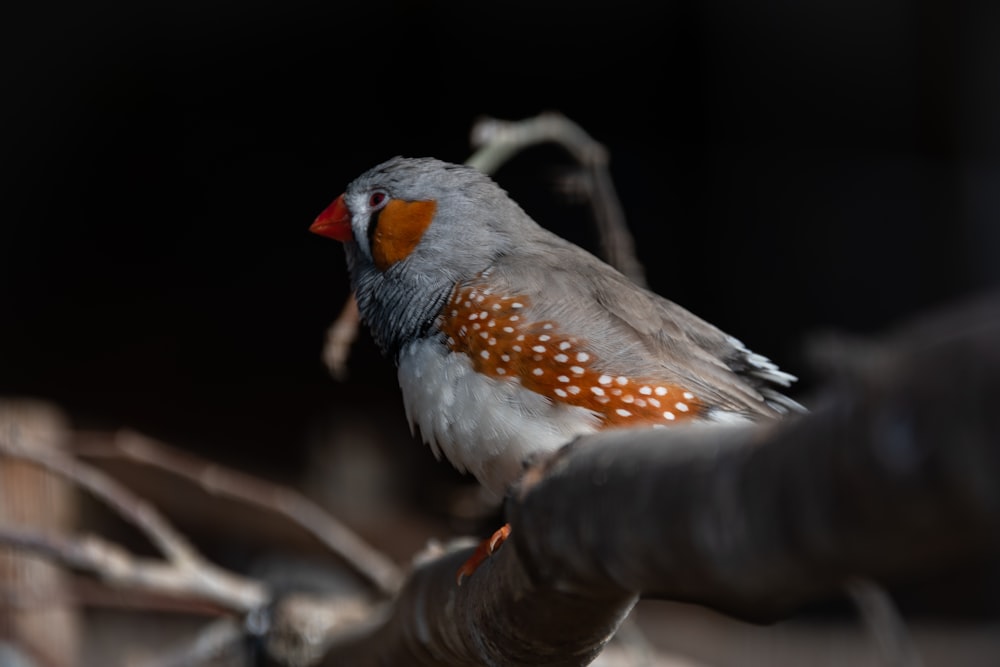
pixel 510 341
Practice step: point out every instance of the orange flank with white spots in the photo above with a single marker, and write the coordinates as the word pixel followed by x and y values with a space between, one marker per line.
pixel 502 343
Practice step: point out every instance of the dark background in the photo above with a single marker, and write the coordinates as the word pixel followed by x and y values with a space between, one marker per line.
pixel 787 168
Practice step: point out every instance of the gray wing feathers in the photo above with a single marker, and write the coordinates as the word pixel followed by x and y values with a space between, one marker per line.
pixel 632 329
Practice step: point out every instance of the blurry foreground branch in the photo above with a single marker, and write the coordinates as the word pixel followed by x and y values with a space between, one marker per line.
pixel 895 476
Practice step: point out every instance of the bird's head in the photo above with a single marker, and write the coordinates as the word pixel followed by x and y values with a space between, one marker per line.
pixel 413 228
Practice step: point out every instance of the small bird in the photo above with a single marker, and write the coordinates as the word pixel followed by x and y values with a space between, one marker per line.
pixel 509 340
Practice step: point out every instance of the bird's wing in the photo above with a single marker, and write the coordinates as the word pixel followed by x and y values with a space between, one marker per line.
pixel 632 330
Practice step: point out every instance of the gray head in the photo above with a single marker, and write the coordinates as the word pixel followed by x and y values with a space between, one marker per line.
pixel 413 228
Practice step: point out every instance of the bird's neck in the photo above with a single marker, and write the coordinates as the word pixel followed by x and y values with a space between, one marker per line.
pixel 396 311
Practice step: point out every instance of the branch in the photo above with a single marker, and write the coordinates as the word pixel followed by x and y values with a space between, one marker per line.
pixel 500 616
pixel 499 140
pixel 339 338
pixel 185 571
pixel 225 482
pixel 754 521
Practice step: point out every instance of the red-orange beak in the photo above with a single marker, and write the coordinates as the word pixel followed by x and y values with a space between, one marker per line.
pixel 334 222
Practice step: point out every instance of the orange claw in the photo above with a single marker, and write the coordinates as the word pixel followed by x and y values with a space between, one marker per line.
pixel 485 549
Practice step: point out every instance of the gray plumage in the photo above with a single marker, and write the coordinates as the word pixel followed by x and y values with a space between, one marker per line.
pixel 479 230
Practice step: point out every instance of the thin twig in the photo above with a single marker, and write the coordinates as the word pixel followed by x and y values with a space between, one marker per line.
pixel 225 482
pixel 884 622
pixel 339 338
pixel 117 566
pixel 212 641
pixel 185 571
pixel 499 140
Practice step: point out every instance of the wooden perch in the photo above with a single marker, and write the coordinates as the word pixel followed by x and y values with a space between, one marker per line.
pixel 894 476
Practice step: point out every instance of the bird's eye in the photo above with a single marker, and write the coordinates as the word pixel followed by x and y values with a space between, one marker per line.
pixel 377 199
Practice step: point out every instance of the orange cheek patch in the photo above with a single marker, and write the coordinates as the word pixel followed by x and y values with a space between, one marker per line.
pixel 399 228
pixel 494 332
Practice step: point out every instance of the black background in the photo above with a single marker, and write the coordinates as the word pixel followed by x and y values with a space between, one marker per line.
pixel 787 168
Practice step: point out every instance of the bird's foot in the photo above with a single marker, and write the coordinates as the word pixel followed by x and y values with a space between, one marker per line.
pixel 485 549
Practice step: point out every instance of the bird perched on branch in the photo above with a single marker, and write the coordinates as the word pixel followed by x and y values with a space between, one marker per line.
pixel 509 340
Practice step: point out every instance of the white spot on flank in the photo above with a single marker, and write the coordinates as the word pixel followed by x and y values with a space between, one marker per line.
pixel 622 380
pixel 640 402
pixel 582 357
pixel 597 390
pixel 491 341
pixel 688 395
pixel 467 304
pixel 509 329
pixel 561 358
pixel 454 313
pixel 547 325
pixel 669 416
pixel 604 379
pixel 538 371
pixel 484 314
pixel 564 345
pixel 521 337
pixel 491 323
pixel 645 391
pixel 480 298
pixel 682 407
pixel 628 398
pixel 516 348
pixel 560 392
pixel 655 403
pixel 616 391
pixel 476 326
pixel 576 370
pixel 501 371
pixel 514 318
pixel 539 348
pixel 496 306
pixel 623 412
pixel 661 391
pixel 573 389
pixel 505 357
pixel 484 354
pixel 473 316
pixel 517 304
pixel 544 337
pixel 563 378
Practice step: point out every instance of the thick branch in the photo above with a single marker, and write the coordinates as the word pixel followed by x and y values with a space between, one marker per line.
pixel 497 617
pixel 895 476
